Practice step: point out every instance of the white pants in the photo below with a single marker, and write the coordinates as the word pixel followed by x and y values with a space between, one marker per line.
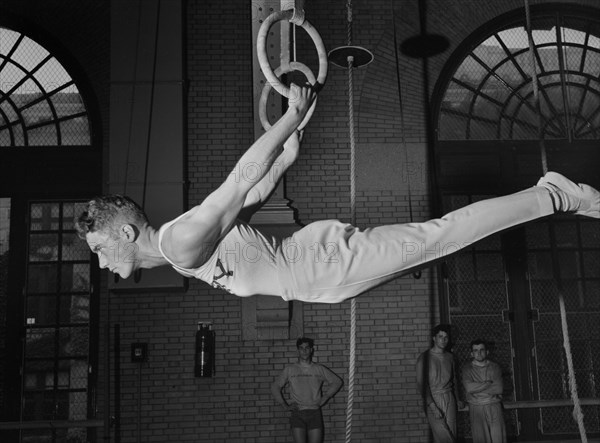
pixel 329 261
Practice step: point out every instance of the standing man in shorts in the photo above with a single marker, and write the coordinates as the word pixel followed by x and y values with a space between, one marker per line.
pixel 305 380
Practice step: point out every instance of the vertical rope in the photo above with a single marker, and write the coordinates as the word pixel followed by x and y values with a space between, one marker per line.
pixel 349 19
pixel 131 104
pixel 150 114
pixel 401 109
pixel 352 354
pixel 352 361
pixel 577 412
pixel 536 89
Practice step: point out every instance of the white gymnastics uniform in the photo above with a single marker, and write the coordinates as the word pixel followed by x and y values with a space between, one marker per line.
pixel 329 261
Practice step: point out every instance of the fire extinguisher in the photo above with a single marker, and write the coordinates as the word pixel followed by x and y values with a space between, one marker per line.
pixel 204 365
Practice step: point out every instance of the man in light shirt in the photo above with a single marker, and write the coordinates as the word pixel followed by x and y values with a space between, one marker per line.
pixel 482 379
pixel 306 379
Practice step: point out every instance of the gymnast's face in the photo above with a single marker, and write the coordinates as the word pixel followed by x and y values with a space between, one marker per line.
pixel 117 254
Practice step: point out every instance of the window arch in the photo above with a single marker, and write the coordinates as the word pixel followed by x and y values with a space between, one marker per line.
pixel 490 93
pixel 50 161
pixel 506 287
pixel 40 104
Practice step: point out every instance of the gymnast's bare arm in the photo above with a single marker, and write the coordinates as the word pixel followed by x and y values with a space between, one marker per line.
pixel 190 241
pixel 261 191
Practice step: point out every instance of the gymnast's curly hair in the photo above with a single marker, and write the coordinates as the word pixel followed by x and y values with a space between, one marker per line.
pixel 106 213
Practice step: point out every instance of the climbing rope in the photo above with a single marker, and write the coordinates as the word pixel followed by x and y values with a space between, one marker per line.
pixel 577 412
pixel 351 57
pixel 152 88
pixel 352 355
pixel 137 275
pixel 416 274
pixel 352 361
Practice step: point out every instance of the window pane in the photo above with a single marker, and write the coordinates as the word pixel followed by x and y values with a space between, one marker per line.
pixel 5 137
pixel 7 41
pixel 41 310
pixel 75 131
pixel 43 247
pixel 47 94
pixel 40 342
pixel 74 249
pixel 75 277
pixel 38 406
pixel 42 136
pixel 16 135
pixel 41 279
pixel 592 62
pixel 482 130
pixel 73 374
pixel 29 92
pixel 52 75
pixel 591 263
pixel 44 216
pixel 67 104
pixel 453 127
pixel 38 113
pixel 70 212
pixel 29 53
pixel 36 375
pixel 75 309
pixel 74 341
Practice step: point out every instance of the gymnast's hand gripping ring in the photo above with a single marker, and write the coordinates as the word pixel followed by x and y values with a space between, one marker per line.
pixel 261 49
pixel 262 104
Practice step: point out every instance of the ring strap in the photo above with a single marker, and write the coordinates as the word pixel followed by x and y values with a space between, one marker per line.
pixel 297 17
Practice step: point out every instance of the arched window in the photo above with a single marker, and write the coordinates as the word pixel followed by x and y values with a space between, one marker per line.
pixel 40 104
pixel 490 95
pixel 489 142
pixel 50 161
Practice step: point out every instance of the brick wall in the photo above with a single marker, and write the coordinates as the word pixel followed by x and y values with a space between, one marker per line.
pixel 161 400
pixel 393 321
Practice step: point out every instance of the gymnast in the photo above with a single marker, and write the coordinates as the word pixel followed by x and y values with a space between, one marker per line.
pixel 324 262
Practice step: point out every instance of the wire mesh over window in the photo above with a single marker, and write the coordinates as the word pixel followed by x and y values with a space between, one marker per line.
pixel 481 300
pixel 5 205
pixel 577 249
pixel 40 104
pixel 57 312
pixel 491 93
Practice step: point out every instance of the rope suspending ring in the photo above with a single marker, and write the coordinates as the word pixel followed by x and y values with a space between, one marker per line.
pixel 263 60
pixel 262 104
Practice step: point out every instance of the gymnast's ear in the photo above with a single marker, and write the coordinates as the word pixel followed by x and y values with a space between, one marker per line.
pixel 129 232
